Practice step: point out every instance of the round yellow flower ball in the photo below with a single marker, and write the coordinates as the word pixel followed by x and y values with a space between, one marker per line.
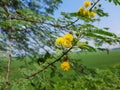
pixel 86 12
pixel 87 3
pixel 80 10
pixel 65 66
pixel 60 41
pixel 67 44
pixel 68 37
pixel 92 14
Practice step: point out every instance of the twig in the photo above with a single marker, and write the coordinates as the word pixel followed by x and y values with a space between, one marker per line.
pixel 9 63
pixel 94 5
pixel 29 20
pixel 36 72
pixel 6 9
pixel 71 23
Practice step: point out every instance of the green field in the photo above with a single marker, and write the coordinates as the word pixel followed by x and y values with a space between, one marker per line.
pixel 89 59
pixel 98 59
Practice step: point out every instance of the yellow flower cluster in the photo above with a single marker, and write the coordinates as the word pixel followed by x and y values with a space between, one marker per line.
pixel 65 41
pixel 87 4
pixel 84 12
pixel 65 66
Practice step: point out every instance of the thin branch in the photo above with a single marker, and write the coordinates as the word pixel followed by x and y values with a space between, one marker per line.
pixel 29 20
pixel 9 63
pixel 71 23
pixel 36 21
pixel 94 5
pixel 6 9
pixel 36 72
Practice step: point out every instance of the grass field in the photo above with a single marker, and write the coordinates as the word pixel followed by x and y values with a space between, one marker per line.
pixel 98 59
pixel 89 59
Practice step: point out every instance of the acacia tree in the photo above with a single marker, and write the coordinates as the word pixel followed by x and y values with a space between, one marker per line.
pixel 27 26
pixel 24 22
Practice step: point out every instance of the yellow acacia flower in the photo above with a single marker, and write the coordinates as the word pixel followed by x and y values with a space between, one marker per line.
pixel 87 4
pixel 65 66
pixel 67 44
pixel 65 41
pixel 92 14
pixel 68 37
pixel 80 10
pixel 60 41
pixel 86 12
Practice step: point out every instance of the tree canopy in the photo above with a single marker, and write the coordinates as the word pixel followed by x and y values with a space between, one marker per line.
pixel 33 26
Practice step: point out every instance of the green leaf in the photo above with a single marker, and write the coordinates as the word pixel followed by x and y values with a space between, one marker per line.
pixel 74 14
pixel 47 55
pixel 90 48
pixel 66 15
pixel 102 32
pixel 116 2
pixel 110 0
pixel 14 23
pixel 92 35
pixel 101 13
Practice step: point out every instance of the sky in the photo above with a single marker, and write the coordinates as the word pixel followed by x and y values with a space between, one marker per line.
pixel 113 21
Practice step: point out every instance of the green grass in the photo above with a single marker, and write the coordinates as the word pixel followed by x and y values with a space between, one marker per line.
pixel 89 59
pixel 98 59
